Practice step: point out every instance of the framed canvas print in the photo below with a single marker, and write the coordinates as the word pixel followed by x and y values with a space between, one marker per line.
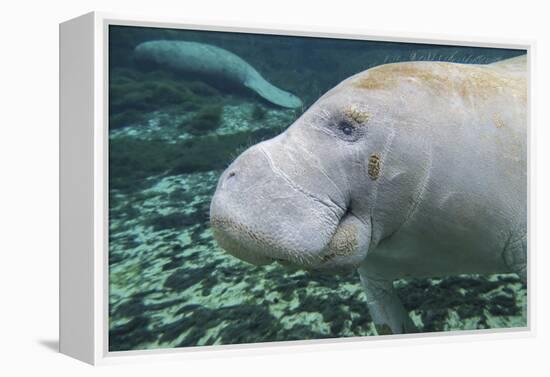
pixel 224 187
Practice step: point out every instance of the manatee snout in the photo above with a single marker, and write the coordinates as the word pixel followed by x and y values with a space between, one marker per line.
pixel 260 214
pixel 271 206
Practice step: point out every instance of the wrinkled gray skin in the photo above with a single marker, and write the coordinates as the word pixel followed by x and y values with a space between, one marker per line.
pixel 405 170
pixel 214 62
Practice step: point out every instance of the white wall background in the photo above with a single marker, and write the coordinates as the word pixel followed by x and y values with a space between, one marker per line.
pixel 29 186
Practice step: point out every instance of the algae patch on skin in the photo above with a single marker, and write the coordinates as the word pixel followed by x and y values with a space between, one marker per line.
pixel 374 166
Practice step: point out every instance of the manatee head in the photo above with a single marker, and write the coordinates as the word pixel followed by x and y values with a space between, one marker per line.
pixel 302 198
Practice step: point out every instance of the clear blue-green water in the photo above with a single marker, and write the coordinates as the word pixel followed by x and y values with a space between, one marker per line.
pixel 171 134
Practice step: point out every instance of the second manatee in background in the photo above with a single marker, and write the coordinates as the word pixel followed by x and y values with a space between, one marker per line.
pixel 213 61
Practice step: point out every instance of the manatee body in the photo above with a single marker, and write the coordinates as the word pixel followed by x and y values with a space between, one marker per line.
pixel 415 169
pixel 208 60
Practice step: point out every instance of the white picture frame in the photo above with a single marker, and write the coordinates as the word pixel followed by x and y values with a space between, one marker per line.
pixel 84 187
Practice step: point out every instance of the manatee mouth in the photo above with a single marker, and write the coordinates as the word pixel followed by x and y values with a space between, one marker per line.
pixel 254 247
pixel 234 237
pixel 343 252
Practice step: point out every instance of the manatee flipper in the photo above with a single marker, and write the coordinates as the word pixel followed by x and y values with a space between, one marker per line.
pixel 271 93
pixel 385 307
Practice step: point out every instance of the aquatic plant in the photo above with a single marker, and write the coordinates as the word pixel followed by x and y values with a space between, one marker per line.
pixel 148 94
pixel 176 220
pixel 207 119
pixel 132 94
pixel 201 88
pixel 125 118
pixel 132 160
pixel 258 113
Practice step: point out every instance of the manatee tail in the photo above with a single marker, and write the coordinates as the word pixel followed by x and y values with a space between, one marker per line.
pixel 271 93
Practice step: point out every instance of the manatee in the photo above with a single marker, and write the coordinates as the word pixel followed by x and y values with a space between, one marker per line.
pixel 214 62
pixel 405 170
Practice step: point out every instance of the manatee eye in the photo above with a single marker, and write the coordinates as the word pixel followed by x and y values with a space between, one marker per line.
pixel 346 128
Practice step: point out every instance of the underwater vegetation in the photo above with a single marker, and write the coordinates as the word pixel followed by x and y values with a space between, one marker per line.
pixel 171 136
pixel 129 170
pixel 258 113
pixel 134 93
pixel 206 119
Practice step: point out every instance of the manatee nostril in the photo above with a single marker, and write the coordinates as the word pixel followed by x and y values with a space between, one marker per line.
pixel 228 178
